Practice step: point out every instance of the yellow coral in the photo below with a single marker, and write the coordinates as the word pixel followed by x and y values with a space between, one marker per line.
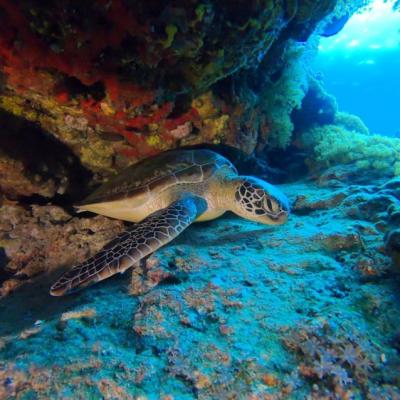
pixel 154 140
pixel 170 30
pixel 204 105
pixel 97 155
pixel 215 124
pixel 351 122
pixel 107 108
pixel 219 124
pixel 10 105
pixel 332 144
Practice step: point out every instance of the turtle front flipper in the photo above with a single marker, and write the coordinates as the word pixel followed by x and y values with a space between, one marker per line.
pixel 132 245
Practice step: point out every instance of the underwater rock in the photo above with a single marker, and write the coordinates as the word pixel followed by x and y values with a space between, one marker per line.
pixel 33 163
pixel 335 25
pixel 341 176
pixel 392 186
pixel 136 92
pixel 317 107
pixel 369 206
pixel 295 311
pixel 305 205
pixel 375 203
pixel 392 246
pixel 15 180
pixel 35 238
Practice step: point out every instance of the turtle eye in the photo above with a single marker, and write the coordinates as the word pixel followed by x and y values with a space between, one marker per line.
pixel 268 203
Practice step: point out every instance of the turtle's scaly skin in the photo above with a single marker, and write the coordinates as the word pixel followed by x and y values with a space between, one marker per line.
pixel 165 194
pixel 131 246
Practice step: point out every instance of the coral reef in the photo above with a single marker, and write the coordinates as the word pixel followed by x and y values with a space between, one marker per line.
pixel 117 82
pixel 350 122
pixel 317 108
pixel 336 144
pixel 340 141
pixel 230 309
pixel 87 89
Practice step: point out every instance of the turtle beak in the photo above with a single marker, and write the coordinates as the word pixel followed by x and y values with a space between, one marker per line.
pixel 283 218
pixel 280 218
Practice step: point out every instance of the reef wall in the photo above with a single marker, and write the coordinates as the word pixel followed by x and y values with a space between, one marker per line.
pixel 117 81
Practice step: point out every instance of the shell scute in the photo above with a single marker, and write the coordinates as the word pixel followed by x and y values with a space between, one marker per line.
pixel 157 173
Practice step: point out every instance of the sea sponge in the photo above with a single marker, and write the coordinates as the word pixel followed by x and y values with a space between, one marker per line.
pixel 334 144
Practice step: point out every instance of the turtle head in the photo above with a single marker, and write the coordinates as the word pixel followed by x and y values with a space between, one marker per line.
pixel 260 201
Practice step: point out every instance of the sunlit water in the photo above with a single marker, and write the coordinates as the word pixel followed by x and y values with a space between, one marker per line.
pixel 361 67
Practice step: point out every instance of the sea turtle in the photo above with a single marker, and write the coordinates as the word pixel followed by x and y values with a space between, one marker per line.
pixel 163 195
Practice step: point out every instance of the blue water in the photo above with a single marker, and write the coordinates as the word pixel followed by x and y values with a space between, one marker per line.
pixel 361 67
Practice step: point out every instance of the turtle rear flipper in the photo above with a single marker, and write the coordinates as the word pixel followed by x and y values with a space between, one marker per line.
pixel 132 245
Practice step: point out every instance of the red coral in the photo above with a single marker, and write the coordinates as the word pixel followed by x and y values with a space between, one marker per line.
pixel 171 124
pixel 62 97
pixel 25 57
pixel 24 53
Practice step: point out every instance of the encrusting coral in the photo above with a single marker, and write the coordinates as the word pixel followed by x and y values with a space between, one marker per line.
pixel 117 82
pixel 350 122
pixel 342 362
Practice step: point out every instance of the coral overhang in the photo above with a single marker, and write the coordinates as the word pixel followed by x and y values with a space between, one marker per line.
pixel 135 69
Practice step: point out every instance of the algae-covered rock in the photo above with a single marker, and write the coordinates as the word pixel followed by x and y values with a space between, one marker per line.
pixel 392 246
pixel 230 309
pixel 40 239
